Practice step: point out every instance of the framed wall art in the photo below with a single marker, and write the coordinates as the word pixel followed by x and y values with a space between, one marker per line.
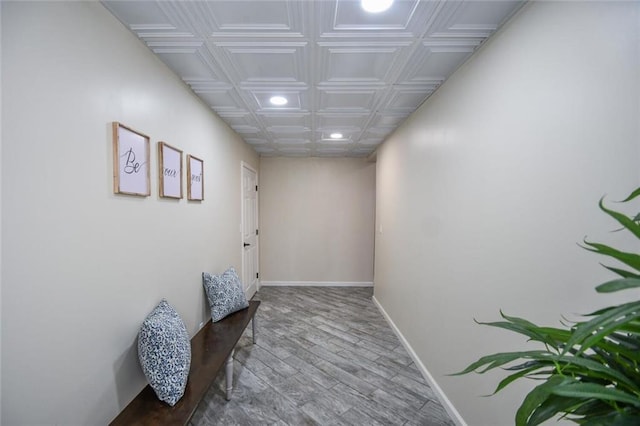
pixel 169 171
pixel 195 178
pixel 130 161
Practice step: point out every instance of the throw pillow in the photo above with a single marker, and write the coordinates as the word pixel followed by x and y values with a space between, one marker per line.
pixel 164 351
pixel 225 293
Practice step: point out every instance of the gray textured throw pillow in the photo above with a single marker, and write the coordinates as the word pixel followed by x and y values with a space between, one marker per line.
pixel 225 293
pixel 164 351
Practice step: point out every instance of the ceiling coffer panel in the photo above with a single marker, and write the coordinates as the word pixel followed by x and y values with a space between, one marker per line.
pixel 243 19
pixel 300 150
pixel 348 16
pixel 256 141
pixel 222 100
pixel 432 62
pixel 292 141
pixel 407 98
pixel 238 118
pixel 359 63
pixel 289 131
pixel 387 120
pixel 296 100
pixel 347 99
pixel 471 19
pixel 284 119
pixel 340 122
pixel 137 13
pixel 336 67
pixel 265 63
pixel 188 62
pixel 245 129
pixel 345 19
pixel 370 142
pixel 336 143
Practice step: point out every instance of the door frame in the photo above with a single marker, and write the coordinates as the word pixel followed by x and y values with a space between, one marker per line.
pixel 244 165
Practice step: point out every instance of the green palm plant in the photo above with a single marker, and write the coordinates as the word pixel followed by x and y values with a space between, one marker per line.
pixel 589 370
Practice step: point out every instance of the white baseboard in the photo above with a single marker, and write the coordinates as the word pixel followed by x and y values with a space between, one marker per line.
pixel 316 284
pixel 455 415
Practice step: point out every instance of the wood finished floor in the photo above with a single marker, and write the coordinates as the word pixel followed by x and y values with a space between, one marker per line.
pixel 324 356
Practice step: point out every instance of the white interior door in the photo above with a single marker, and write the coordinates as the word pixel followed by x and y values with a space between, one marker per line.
pixel 250 274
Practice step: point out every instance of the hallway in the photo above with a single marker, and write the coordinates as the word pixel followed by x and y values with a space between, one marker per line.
pixel 475 202
pixel 323 356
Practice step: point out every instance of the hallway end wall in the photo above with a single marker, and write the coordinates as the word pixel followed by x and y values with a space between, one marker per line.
pixel 316 221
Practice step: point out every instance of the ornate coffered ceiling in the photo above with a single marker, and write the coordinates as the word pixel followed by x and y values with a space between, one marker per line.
pixel 341 69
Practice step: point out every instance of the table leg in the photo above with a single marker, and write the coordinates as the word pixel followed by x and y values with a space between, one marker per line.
pixel 229 374
pixel 253 329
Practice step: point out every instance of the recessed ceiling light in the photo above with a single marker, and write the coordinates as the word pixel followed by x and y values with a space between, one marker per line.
pixel 376 6
pixel 336 135
pixel 278 100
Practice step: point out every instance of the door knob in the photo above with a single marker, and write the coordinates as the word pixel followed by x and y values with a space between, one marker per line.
pixel 246 244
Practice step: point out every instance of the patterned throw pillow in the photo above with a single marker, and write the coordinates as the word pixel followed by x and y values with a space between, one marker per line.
pixel 225 293
pixel 164 351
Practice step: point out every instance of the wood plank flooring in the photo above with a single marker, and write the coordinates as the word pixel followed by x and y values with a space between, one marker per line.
pixel 324 356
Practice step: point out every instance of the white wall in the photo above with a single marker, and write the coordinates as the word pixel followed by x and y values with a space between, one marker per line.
pixel 316 221
pixel 82 267
pixel 484 192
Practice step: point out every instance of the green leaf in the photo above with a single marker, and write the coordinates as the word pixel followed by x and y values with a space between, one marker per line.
pixel 521 329
pixel 591 368
pixel 613 419
pixel 520 321
pixel 623 366
pixel 607 327
pixel 594 391
pixel 592 408
pixel 590 332
pixel 622 219
pixel 511 378
pixel 631 328
pixel 490 362
pixel 631 196
pixel 600 311
pixel 617 285
pixel 553 405
pixel 548 335
pixel 631 342
pixel 557 334
pixel 536 397
pixel 621 272
pixel 629 259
